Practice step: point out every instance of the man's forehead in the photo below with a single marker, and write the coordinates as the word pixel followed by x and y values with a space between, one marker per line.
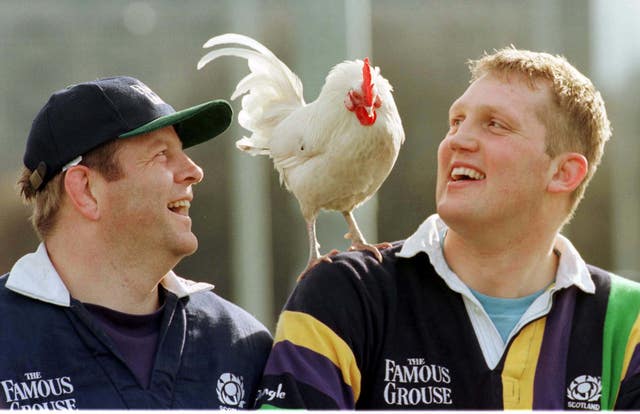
pixel 163 135
pixel 504 91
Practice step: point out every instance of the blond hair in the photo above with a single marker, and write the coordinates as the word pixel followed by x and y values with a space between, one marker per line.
pixel 46 201
pixel 575 122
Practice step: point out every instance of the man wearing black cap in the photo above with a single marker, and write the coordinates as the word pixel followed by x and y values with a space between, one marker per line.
pixel 96 318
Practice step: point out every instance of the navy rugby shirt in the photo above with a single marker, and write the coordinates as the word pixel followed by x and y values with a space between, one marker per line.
pixel 135 336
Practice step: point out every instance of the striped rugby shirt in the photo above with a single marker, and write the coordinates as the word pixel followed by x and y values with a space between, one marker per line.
pixel 407 333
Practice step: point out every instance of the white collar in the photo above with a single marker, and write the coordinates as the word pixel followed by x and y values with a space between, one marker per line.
pixel 572 270
pixel 34 275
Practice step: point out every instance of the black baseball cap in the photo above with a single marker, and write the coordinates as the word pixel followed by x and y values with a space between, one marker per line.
pixel 81 117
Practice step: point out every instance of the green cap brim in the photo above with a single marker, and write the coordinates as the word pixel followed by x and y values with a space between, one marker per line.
pixel 193 125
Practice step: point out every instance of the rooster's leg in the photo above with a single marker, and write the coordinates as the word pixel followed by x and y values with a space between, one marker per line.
pixel 314 249
pixel 357 239
pixel 314 246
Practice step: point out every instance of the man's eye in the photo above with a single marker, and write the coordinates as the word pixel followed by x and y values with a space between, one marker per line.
pixel 495 124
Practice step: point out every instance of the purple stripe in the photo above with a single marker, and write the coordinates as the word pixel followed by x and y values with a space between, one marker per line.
pixel 634 364
pixel 312 369
pixel 549 382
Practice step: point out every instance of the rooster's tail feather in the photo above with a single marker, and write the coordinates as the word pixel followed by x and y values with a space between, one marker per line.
pixel 272 90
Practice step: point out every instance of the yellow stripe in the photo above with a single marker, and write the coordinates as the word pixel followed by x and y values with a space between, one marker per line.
pixel 634 339
pixel 520 367
pixel 305 330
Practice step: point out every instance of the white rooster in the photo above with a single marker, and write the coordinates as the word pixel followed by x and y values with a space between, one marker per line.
pixel 333 153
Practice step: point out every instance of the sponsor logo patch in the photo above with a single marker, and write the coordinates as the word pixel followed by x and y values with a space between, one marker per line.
pixel 268 395
pixel 36 391
pixel 413 382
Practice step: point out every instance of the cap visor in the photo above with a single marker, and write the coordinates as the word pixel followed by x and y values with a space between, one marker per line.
pixel 193 125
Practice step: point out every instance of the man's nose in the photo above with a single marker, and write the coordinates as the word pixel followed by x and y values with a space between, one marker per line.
pixel 190 172
pixel 464 139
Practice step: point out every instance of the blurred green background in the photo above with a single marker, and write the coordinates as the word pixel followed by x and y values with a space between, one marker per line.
pixel 252 237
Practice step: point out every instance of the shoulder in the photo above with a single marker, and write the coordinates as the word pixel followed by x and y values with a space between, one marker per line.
pixel 10 302
pixel 356 269
pixel 227 333
pixel 359 273
pixel 211 310
pixel 620 302
pixel 3 282
pixel 617 287
pixel 621 334
pixel 353 293
pixel 15 304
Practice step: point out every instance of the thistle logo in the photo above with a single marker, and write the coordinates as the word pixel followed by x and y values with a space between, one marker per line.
pixel 584 393
pixel 230 389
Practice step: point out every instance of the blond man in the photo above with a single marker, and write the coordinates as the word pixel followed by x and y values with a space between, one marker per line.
pixel 486 305
pixel 96 318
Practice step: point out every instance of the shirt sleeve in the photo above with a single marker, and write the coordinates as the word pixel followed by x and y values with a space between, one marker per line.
pixel 319 346
pixel 628 397
pixel 621 365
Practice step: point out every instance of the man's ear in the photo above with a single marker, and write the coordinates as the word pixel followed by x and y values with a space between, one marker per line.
pixel 77 183
pixel 570 169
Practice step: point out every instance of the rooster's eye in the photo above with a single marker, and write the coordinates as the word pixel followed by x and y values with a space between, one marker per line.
pixel 378 102
pixel 352 100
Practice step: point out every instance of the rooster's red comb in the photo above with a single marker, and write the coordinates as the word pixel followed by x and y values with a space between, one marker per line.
pixel 367 86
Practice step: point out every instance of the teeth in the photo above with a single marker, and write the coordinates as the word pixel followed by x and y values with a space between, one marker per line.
pixel 180 203
pixel 461 172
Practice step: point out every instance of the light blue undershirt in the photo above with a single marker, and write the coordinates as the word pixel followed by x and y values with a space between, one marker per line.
pixel 505 312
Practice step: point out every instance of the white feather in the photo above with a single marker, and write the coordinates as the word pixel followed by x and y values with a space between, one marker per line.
pixel 273 90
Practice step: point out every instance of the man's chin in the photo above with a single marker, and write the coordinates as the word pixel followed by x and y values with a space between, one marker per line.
pixel 455 216
pixel 187 246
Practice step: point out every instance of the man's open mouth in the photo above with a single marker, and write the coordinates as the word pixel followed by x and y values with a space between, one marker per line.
pixel 179 206
pixel 465 173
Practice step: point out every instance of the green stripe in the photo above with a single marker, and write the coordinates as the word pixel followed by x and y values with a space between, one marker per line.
pixel 622 311
pixel 269 407
pixel 273 407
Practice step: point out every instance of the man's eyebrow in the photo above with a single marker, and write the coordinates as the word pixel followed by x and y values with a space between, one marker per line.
pixel 501 110
pixel 164 140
